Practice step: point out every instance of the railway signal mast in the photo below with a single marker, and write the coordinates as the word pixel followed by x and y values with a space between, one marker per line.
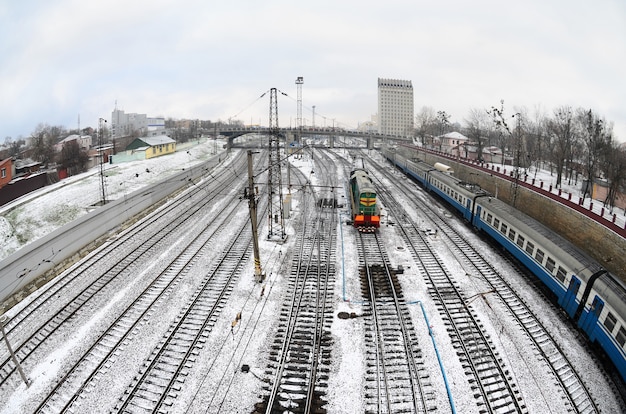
pixel 276 226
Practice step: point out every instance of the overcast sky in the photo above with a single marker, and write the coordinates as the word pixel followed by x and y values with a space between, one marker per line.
pixel 214 59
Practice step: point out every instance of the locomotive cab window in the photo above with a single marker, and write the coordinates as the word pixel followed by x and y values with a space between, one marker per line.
pixel 610 322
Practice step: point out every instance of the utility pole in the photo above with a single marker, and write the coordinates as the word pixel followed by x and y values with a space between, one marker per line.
pixel 3 320
pixel 101 123
pixel 276 226
pixel 258 273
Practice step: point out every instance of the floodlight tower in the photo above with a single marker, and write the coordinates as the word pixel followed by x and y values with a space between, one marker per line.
pixel 276 227
pixel 299 82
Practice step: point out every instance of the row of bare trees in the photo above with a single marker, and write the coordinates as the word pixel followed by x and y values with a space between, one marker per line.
pixel 41 147
pixel 572 143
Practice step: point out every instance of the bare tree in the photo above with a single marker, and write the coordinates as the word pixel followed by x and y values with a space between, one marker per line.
pixel 561 129
pixel 73 158
pixel 425 124
pixel 613 165
pixel 443 122
pixel 515 138
pixel 594 139
pixel 477 123
pixel 42 144
pixel 536 140
pixel 504 132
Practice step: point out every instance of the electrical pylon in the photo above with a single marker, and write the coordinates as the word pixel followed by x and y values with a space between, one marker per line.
pixel 276 225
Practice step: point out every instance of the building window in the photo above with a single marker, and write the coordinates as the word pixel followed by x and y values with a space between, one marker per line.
pixel 3 173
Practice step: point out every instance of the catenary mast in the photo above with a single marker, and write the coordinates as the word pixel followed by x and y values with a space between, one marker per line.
pixel 276 225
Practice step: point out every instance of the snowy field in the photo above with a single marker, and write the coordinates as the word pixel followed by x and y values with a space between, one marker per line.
pixel 40 213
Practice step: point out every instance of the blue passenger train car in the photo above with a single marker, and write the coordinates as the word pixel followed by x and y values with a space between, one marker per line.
pixel 593 298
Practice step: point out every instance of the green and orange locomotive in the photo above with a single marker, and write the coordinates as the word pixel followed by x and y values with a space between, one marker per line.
pixel 365 211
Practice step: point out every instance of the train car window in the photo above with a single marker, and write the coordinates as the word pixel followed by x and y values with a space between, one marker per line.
pixel 539 255
pixel 520 241
pixel 560 274
pixel 489 218
pixel 504 228
pixel 496 223
pixel 550 264
pixel 621 336
pixel 530 247
pixel 610 322
pixel 512 234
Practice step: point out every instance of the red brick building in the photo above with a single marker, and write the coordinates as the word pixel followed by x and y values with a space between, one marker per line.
pixel 6 175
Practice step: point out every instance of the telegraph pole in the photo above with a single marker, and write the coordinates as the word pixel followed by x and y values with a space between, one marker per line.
pixel 258 273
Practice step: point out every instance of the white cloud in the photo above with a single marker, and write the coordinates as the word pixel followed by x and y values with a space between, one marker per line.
pixel 211 60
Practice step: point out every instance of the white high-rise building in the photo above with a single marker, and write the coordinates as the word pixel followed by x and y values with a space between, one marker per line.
pixel 395 107
pixel 123 124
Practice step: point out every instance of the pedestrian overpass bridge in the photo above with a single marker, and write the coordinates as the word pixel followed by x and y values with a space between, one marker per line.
pixel 336 137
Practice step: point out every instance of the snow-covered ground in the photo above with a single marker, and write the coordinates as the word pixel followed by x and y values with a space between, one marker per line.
pixel 40 212
pixel 37 215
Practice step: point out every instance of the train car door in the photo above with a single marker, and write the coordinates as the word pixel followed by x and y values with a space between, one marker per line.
pixel 589 319
pixel 476 216
pixel 568 300
pixel 468 210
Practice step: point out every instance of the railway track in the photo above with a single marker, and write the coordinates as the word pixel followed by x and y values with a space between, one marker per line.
pixel 300 353
pixel 575 392
pixel 66 395
pixel 127 253
pixel 156 386
pixel 396 380
pixel 493 387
